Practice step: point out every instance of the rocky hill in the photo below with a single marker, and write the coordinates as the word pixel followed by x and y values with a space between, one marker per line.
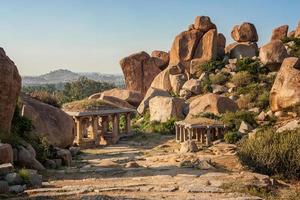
pixel 63 76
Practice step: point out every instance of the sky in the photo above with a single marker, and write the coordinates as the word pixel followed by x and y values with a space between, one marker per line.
pixel 93 35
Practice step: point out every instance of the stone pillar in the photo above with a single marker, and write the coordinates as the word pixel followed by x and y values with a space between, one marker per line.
pixel 95 127
pixel 208 136
pixel 128 123
pixel 190 131
pixel 104 130
pixel 181 133
pixel 78 130
pixel 115 128
pixel 197 133
pixel 177 132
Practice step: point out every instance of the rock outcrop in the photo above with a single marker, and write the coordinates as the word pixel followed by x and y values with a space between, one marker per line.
pixel 134 98
pixel 211 103
pixel 6 153
pixel 280 32
pixel 297 31
pixel 49 122
pixel 203 24
pixel 163 58
pixel 241 50
pixel 164 108
pixel 151 93
pixel 246 32
pixel 139 70
pixel 285 92
pixel 10 86
pixel 273 54
pixel 221 43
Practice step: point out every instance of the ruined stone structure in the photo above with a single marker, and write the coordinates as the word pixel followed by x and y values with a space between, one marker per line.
pixel 202 130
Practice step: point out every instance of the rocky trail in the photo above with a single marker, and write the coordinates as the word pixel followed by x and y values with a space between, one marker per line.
pixel 133 170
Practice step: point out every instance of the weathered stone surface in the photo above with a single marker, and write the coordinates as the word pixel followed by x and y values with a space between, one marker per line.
pixel 285 92
pixel 184 46
pixel 27 159
pixel 221 44
pixel 207 48
pixel 139 70
pixel 297 31
pixel 218 89
pixel 163 57
pixel 192 85
pixel 241 50
pixel 49 122
pixel 164 108
pixel 6 153
pixel 246 32
pixel 211 103
pixel 132 97
pixel 151 93
pixel 280 32
pixel 273 53
pixel 203 24
pixel 65 156
pixel 177 82
pixel 291 34
pixel 17 188
pixel 245 127
pixel 10 86
pixel 13 179
pixel 292 125
pixel 35 180
pixel 132 164
pixel 185 94
pixel 116 101
pixel 6 168
pixel 4 188
pixel 74 151
pixel 188 147
pixel 162 81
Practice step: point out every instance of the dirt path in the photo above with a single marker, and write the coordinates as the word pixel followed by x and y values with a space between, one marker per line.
pixel 141 170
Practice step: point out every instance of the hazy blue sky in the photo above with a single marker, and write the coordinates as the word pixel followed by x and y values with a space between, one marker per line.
pixel 93 35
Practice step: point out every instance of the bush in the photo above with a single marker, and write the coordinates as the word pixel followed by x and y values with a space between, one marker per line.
pixel 294 45
pixel 24 174
pixel 233 120
pixel 263 100
pixel 232 137
pixel 242 78
pixel 219 78
pixel 46 97
pixel 211 66
pixel 207 115
pixel 272 153
pixel 244 102
pixel 248 65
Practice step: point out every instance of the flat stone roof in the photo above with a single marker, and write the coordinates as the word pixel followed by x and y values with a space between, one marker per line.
pixel 100 112
pixel 201 122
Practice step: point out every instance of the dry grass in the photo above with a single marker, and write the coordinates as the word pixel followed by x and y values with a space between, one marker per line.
pixel 87 105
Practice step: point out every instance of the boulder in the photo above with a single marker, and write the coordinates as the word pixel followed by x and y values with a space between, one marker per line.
pixel 273 54
pixel 162 81
pixel 280 32
pixel 49 122
pixel 292 125
pixel 64 155
pixel 245 127
pixel 151 93
pixel 188 147
pixel 221 44
pixel 184 46
pixel 132 164
pixel 10 86
pixel 297 31
pixel 6 153
pixel 192 85
pixel 207 48
pixel 164 108
pixel 116 101
pixel 27 159
pixel 185 94
pixel 241 50
pixel 177 82
pixel 13 179
pixel 203 24
pixel 291 34
pixel 132 97
pixel 35 180
pixel 285 91
pixel 4 188
pixel 218 89
pixel 17 188
pixel 212 103
pixel 163 57
pixel 6 168
pixel 139 70
pixel 246 32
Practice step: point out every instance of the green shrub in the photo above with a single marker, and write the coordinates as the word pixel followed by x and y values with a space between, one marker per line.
pixel 272 153
pixel 205 85
pixel 24 174
pixel 242 78
pixel 46 97
pixel 232 137
pixel 294 47
pixel 263 100
pixel 249 65
pixel 219 78
pixel 233 120
pixel 207 115
pixel 211 66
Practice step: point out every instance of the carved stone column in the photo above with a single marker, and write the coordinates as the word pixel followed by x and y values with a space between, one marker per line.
pixel 78 130
pixel 128 123
pixel 115 128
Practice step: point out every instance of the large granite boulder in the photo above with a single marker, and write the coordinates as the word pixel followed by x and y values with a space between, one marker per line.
pixel 297 31
pixel 221 44
pixel 49 122
pixel 132 97
pixel 139 70
pixel 211 103
pixel 241 50
pixel 164 108
pixel 184 46
pixel 26 158
pixel 151 93
pixel 285 92
pixel 207 48
pixel 163 58
pixel 246 32
pixel 192 85
pixel 273 53
pixel 280 32
pixel 6 153
pixel 177 82
pixel 116 101
pixel 203 24
pixel 10 86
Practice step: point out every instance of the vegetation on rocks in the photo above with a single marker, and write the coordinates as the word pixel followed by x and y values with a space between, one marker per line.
pixel 272 153
pixel 234 120
pixel 293 44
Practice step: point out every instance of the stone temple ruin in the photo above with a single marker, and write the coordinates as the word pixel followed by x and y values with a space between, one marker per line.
pixel 201 130
pixel 98 124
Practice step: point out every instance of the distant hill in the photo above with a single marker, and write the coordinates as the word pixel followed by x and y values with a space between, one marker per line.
pixel 64 76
